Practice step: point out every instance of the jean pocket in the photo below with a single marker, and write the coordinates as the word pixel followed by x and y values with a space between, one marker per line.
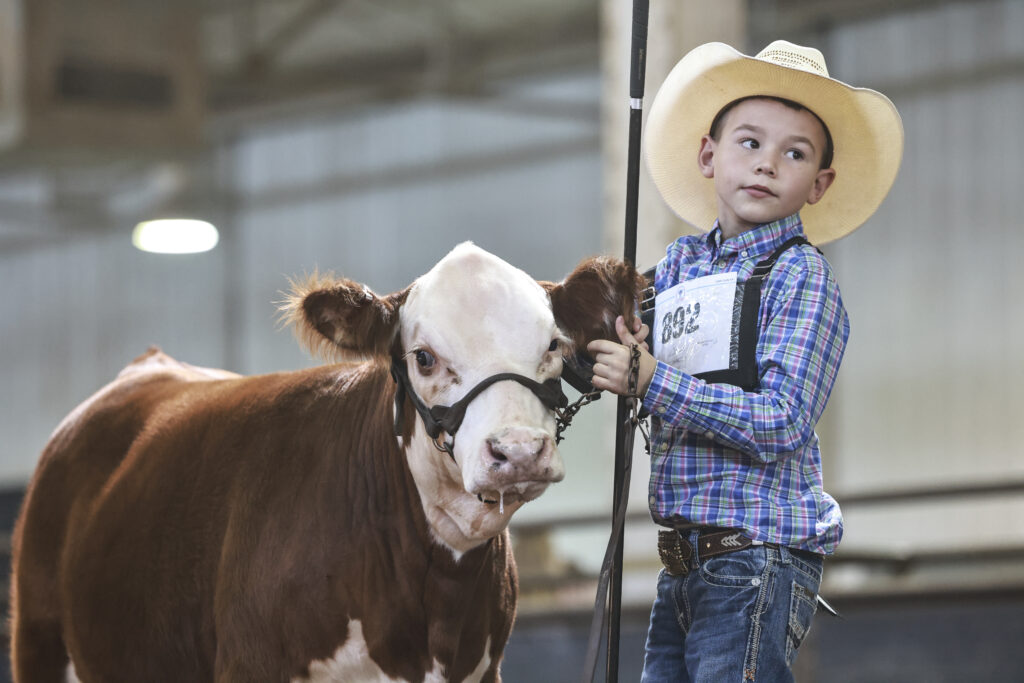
pixel 742 569
pixel 803 603
pixel 807 563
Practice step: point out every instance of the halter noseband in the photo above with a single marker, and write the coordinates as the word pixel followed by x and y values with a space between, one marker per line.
pixel 449 418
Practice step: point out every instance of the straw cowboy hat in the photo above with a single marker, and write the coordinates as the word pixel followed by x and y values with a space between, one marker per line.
pixel 866 130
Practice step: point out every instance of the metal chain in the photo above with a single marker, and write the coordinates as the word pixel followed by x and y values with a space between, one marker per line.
pixel 633 379
pixel 565 415
pixel 633 387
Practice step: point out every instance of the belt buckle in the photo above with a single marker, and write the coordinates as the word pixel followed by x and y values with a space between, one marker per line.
pixel 674 557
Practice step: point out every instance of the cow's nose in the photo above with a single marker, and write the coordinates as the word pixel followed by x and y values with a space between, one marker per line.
pixel 518 446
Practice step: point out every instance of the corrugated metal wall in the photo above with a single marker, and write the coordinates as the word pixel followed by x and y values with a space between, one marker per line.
pixel 930 390
pixel 74 313
pixel 378 196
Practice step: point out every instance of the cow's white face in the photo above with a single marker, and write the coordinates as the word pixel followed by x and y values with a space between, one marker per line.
pixel 473 316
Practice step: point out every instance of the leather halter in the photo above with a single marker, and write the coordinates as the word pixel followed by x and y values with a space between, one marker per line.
pixel 437 419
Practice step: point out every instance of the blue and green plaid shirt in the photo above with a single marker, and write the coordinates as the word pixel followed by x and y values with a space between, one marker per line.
pixel 750 460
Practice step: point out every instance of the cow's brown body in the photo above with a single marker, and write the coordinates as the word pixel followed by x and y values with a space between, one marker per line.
pixel 192 525
pixel 261 547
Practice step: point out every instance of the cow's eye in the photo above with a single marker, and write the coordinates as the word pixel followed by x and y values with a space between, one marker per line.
pixel 424 359
pixel 553 346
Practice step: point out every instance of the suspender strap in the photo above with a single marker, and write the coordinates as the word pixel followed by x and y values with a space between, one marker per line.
pixel 748 375
pixel 764 267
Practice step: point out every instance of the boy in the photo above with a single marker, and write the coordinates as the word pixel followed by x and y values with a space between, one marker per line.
pixel 744 360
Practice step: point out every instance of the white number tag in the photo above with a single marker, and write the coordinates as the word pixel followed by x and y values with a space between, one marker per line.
pixel 693 325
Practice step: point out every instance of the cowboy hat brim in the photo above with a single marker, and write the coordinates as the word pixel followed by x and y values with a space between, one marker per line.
pixel 866 130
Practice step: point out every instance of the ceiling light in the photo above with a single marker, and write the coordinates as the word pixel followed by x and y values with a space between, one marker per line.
pixel 175 236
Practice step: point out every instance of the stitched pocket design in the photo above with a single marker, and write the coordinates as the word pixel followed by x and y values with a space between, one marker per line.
pixel 744 569
pixel 802 606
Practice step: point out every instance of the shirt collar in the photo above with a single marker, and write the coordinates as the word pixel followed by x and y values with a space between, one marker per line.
pixel 763 239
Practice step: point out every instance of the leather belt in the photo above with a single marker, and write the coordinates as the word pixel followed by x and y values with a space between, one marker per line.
pixel 677 553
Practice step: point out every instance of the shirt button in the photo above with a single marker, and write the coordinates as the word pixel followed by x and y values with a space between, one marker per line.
pixel 744 253
pixel 662 447
pixel 710 434
pixel 661 410
pixel 652 500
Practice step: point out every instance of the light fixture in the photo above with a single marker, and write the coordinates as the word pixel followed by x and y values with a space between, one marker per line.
pixel 175 236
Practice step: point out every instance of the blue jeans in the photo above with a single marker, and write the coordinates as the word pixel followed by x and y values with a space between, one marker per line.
pixel 733 618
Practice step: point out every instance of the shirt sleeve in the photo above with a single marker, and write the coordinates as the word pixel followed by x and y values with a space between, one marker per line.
pixel 803 336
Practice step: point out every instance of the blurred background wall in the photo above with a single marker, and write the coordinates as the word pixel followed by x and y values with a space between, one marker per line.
pixel 370 138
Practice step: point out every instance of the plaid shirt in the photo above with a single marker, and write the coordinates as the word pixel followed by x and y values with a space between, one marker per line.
pixel 724 457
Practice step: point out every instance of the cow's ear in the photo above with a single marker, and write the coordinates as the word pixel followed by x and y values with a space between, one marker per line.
pixel 338 319
pixel 587 302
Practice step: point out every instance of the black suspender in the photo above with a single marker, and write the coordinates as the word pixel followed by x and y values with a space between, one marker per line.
pixel 746 375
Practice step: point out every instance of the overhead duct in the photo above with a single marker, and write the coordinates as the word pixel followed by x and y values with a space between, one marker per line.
pixel 110 76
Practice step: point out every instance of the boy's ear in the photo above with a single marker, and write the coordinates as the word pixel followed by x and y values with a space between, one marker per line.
pixel 822 182
pixel 706 157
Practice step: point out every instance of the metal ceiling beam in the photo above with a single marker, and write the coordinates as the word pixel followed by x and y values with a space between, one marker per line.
pixel 536 107
pixel 287 34
pixel 572 37
pixel 792 17
pixel 467 165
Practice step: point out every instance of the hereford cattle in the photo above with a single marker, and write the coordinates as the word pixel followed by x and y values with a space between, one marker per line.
pixel 341 523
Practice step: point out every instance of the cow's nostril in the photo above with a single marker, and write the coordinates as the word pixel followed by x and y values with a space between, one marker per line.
pixel 515 450
pixel 496 451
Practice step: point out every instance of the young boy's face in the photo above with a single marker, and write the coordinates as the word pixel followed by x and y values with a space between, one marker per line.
pixel 765 163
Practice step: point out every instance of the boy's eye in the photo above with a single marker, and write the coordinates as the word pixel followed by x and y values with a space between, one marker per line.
pixel 796 155
pixel 749 143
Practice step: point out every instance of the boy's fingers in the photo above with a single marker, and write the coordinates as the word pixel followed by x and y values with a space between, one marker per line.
pixel 601 346
pixel 642 332
pixel 625 336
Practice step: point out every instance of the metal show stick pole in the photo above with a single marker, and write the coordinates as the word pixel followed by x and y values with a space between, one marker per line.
pixel 624 428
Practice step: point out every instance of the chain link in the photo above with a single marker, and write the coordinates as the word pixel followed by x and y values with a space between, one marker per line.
pixel 565 415
pixel 633 388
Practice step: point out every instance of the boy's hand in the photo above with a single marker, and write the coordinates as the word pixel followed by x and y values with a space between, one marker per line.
pixel 611 360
